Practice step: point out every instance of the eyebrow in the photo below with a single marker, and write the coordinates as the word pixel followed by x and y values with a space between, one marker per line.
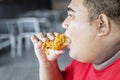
pixel 70 9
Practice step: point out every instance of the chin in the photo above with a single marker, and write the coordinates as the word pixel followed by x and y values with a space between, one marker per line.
pixel 73 54
pixel 81 58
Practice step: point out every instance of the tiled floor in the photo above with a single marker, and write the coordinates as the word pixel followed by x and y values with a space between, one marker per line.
pixel 24 67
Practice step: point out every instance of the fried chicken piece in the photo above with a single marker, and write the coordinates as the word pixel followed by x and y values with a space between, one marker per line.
pixel 60 42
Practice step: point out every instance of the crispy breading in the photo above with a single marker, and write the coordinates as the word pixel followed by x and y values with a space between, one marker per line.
pixel 59 43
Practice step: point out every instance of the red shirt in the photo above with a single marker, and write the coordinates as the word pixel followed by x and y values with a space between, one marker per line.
pixel 84 71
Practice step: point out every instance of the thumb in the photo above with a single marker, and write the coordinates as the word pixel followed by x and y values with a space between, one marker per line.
pixel 59 52
pixel 54 54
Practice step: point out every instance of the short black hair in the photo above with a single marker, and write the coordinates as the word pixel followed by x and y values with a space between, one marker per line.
pixel 111 8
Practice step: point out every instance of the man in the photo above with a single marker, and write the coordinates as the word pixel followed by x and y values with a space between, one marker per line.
pixel 94 29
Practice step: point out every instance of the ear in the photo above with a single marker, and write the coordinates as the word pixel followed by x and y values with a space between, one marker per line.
pixel 103 26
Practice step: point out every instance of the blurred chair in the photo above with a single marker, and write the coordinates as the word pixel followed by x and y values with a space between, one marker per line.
pixel 27 27
pixel 44 18
pixel 48 19
pixel 7 37
pixel 45 24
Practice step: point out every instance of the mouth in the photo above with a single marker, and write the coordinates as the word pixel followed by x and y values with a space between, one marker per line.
pixel 68 41
pixel 68 46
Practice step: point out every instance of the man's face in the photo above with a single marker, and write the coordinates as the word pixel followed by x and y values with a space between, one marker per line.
pixel 82 34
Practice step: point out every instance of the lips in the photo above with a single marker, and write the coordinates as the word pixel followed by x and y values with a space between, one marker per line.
pixel 68 41
pixel 68 46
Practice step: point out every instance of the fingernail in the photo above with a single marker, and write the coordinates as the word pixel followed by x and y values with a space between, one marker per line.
pixel 34 39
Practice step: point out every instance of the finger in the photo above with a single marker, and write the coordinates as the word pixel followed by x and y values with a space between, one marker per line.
pixel 38 45
pixel 42 37
pixel 34 39
pixel 56 33
pixel 50 36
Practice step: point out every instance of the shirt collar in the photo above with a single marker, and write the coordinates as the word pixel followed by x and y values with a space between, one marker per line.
pixel 108 62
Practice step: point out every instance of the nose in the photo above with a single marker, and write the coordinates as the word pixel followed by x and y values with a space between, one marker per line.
pixel 65 24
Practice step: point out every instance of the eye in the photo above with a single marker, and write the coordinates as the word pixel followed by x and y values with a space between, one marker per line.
pixel 70 15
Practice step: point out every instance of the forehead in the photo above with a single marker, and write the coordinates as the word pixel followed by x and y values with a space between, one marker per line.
pixel 76 5
pixel 79 9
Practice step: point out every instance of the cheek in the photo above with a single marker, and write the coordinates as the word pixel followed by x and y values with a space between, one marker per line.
pixel 79 42
pixel 80 35
pixel 81 45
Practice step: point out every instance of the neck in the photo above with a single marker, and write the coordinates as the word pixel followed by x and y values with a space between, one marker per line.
pixel 107 62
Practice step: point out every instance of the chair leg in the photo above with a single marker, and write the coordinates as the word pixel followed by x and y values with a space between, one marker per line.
pixel 19 46
pixel 27 43
pixel 13 46
pixel 48 25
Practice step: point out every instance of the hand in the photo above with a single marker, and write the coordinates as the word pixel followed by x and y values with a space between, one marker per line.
pixel 37 42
